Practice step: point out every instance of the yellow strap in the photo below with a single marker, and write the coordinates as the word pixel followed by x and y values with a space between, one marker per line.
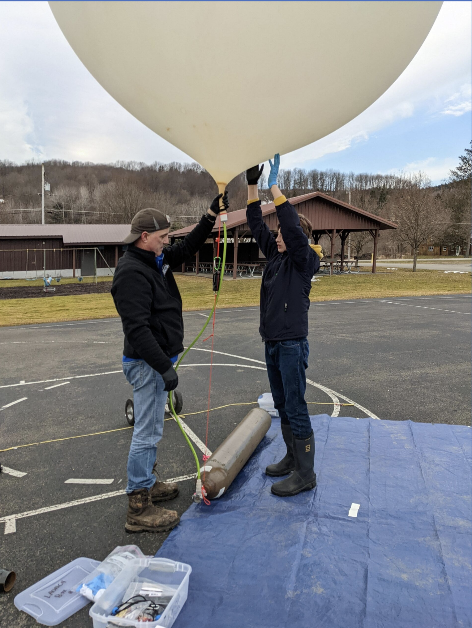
pixel 279 200
pixel 119 429
pixel 56 440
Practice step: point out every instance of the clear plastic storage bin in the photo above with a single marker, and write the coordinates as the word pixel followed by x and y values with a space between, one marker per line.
pixel 173 576
pixel 53 599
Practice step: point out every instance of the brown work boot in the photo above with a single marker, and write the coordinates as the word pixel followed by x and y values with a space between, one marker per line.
pixel 144 517
pixel 163 491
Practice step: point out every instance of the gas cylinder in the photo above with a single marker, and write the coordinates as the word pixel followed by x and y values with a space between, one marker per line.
pixel 233 453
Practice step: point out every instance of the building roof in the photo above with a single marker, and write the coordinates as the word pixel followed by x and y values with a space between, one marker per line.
pixel 70 234
pixel 238 218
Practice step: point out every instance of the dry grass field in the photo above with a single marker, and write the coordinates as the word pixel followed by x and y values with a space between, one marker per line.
pixel 197 294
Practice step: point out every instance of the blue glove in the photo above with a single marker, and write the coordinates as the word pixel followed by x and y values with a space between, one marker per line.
pixel 274 171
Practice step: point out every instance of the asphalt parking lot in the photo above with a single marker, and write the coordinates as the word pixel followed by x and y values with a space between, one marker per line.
pixel 61 386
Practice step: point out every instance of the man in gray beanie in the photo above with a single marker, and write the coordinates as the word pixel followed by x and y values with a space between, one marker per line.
pixel 148 301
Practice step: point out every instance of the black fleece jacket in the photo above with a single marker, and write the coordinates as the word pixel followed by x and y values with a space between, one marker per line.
pixel 149 301
pixel 286 283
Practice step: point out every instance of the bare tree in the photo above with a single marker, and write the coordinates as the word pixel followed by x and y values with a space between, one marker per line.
pixel 417 213
pixel 358 241
pixel 122 199
pixel 286 182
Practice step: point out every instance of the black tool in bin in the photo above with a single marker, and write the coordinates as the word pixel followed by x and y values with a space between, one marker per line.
pixel 7 580
pixel 177 400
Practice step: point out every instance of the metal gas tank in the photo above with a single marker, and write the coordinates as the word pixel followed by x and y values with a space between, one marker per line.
pixel 233 453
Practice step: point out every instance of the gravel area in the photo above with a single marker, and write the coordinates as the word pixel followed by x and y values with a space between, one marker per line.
pixel 61 290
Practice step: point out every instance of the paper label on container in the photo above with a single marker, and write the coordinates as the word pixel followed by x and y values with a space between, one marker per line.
pixel 222 490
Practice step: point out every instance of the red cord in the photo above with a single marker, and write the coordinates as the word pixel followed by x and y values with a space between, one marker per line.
pixel 206 501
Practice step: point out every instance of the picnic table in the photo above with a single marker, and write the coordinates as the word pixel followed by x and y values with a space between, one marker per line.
pixel 242 269
pixel 331 263
pixel 334 265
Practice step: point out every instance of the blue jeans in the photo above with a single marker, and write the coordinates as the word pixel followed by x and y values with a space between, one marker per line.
pixel 287 361
pixel 149 407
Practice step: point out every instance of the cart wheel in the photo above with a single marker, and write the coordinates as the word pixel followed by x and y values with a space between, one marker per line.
pixel 177 401
pixel 129 411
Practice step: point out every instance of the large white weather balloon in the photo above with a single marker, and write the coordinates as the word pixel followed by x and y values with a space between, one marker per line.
pixel 231 83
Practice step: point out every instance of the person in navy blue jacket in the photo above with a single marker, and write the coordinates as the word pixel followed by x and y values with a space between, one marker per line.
pixel 291 263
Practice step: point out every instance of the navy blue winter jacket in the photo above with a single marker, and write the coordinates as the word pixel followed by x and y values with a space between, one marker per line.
pixel 286 282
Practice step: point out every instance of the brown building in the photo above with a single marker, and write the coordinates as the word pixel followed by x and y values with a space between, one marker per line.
pixel 327 215
pixel 60 250
pixel 77 250
pixel 434 248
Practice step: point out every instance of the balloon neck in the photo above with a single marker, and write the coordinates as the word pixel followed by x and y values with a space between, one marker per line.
pixel 221 190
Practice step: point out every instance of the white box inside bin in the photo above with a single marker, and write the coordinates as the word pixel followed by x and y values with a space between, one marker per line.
pixel 157 570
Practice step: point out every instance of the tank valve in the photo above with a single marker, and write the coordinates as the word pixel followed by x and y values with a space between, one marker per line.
pixel 197 496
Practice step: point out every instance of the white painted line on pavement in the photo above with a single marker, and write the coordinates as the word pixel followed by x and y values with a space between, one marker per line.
pixel 56 385
pixel 57 342
pixel 357 405
pixel 182 478
pixel 354 510
pixel 13 403
pixel 194 438
pixel 76 502
pixel 60 379
pixel 27 327
pixel 10 525
pixel 16 474
pixel 331 393
pixel 230 355
pixel 424 307
pixel 10 520
pixel 87 481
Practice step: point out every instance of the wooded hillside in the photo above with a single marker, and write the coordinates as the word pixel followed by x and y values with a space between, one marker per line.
pixel 113 193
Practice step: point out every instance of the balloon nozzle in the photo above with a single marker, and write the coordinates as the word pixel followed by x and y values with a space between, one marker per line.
pixel 197 496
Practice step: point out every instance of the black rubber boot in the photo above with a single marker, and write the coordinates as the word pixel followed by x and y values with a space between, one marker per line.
pixel 287 463
pixel 304 477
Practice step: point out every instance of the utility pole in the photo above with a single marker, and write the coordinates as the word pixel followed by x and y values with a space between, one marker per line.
pixel 42 194
pixel 349 234
pixel 42 215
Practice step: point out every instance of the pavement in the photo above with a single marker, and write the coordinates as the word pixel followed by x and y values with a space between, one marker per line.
pixel 449 264
pixel 397 359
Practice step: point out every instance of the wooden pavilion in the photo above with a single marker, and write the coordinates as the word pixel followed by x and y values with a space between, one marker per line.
pixel 326 214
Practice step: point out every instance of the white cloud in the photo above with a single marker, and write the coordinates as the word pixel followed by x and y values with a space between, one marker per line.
pixel 436 169
pixel 356 131
pixel 439 74
pixel 459 103
pixel 51 107
pixel 16 127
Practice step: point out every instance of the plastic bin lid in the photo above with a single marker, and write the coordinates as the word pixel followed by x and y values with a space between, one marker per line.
pixel 50 600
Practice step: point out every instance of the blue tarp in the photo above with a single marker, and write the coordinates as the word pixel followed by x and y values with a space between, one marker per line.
pixel 260 561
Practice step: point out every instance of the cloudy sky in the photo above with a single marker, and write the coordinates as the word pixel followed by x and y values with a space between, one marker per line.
pixel 52 108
